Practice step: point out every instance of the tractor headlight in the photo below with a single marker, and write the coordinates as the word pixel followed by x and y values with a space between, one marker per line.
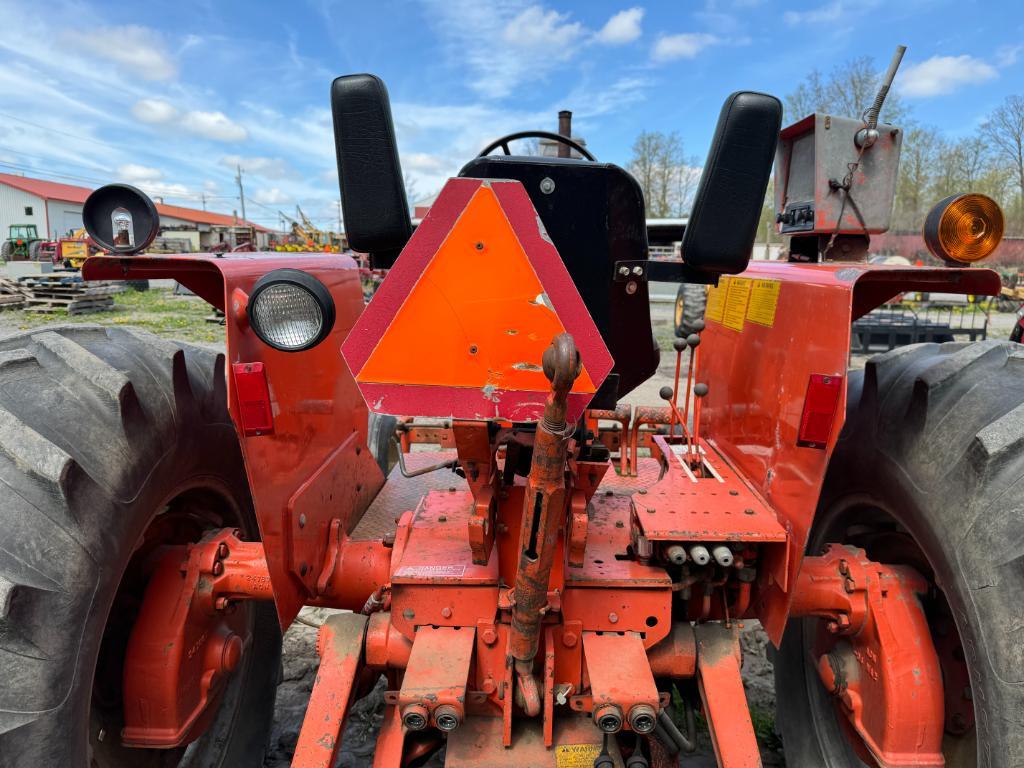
pixel 290 310
pixel 964 228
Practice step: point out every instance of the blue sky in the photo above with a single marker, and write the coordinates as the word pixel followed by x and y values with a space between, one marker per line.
pixel 171 96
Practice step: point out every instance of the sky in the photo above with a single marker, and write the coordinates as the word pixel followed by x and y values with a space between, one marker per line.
pixel 173 97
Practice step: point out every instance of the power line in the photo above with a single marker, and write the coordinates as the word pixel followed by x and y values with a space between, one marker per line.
pixel 56 130
pixel 201 197
pixel 90 180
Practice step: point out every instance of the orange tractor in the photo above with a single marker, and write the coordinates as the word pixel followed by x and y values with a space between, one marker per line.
pixel 547 576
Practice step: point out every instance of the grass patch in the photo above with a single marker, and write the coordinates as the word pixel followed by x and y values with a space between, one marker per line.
pixel 158 311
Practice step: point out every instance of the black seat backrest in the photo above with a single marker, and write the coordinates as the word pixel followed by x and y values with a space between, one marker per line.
pixel 595 216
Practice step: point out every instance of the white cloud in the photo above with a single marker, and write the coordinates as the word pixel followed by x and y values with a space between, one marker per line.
pixel 213 125
pixel 272 196
pixel 542 30
pixel 136 50
pixel 133 173
pixel 150 181
pixel 154 111
pixel 1007 55
pixel 831 12
pixel 943 74
pixel 209 125
pixel 501 45
pixel 267 167
pixel 423 162
pixel 593 102
pixel 623 27
pixel 683 46
pixel 161 190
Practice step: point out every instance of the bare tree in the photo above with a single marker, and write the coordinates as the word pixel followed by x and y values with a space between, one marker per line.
pixel 666 176
pixel 410 190
pixel 918 161
pixel 973 159
pixel 1004 130
pixel 848 91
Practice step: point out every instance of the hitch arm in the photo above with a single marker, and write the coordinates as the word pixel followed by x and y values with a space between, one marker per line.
pixel 543 514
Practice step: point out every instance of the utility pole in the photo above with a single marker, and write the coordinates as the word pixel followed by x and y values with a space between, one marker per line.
pixel 204 201
pixel 241 192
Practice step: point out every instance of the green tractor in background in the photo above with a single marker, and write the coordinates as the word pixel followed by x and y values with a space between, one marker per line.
pixel 22 243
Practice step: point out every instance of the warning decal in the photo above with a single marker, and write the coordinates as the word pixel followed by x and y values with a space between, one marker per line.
pixel 736 303
pixel 576 755
pixel 764 298
pixel 716 301
pixel 431 572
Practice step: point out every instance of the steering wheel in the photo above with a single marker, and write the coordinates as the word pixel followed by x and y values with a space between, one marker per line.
pixel 504 140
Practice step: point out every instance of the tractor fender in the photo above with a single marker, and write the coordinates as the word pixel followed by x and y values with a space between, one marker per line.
pixel 768 332
pixel 313 466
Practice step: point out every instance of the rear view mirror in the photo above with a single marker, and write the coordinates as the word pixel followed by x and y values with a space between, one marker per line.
pixel 372 188
pixel 120 218
pixel 723 222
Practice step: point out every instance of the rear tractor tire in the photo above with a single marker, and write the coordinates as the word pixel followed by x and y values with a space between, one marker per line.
pixel 691 301
pixel 380 439
pixel 929 472
pixel 6 251
pixel 112 444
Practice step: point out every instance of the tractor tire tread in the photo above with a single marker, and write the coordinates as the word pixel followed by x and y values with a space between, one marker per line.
pixel 89 416
pixel 694 298
pixel 938 434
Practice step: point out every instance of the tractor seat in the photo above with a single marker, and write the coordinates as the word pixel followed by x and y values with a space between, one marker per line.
pixel 595 216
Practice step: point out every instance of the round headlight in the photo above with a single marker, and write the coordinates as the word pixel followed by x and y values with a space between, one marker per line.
pixel 290 310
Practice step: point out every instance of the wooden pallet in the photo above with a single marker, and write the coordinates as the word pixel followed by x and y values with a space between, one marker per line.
pixel 9 287
pixel 56 291
pixel 42 307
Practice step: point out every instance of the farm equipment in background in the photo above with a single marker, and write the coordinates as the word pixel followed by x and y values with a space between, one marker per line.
pixel 305 237
pixel 22 243
pixel 68 252
pixel 535 590
pixel 915 322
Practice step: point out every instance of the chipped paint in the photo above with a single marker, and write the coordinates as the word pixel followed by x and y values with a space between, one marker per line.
pixel 491 392
pixel 543 231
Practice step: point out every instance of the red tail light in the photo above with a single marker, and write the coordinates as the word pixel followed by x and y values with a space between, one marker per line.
pixel 253 396
pixel 820 403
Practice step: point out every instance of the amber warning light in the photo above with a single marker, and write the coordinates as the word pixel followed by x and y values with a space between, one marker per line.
pixel 964 228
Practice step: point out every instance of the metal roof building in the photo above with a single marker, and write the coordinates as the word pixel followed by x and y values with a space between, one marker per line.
pixel 56 209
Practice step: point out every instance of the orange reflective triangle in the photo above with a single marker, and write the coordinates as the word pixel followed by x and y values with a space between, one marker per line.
pixel 477 317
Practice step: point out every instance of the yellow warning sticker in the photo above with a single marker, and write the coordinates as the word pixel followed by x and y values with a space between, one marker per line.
pixel 576 755
pixel 764 298
pixel 716 301
pixel 736 303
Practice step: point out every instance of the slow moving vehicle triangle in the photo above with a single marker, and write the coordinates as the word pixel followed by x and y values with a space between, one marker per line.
pixel 459 326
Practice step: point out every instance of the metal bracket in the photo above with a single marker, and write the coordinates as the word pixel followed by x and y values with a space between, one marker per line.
pixel 646 270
